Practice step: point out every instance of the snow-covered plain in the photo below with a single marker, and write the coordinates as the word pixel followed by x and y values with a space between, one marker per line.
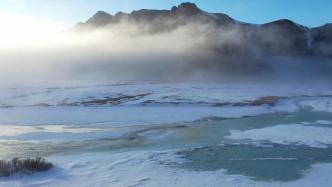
pixel 141 169
pixel 131 94
pixel 120 134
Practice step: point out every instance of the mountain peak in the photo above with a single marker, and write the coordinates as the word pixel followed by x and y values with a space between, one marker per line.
pixel 101 13
pixel 188 5
pixel 186 8
pixel 286 25
pixel 100 18
pixel 283 22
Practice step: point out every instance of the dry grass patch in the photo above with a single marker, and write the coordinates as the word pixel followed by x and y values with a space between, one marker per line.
pixel 269 100
pixel 25 166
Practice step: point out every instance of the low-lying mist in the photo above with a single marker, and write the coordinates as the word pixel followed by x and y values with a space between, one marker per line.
pixel 134 52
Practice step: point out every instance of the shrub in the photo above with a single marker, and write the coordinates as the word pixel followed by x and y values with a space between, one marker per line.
pixel 25 166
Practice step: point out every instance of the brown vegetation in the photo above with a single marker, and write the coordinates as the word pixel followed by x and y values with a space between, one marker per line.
pixel 269 100
pixel 25 166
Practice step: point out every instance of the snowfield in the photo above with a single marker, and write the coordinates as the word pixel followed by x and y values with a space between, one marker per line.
pixel 129 94
pixel 125 134
pixel 288 134
pixel 142 169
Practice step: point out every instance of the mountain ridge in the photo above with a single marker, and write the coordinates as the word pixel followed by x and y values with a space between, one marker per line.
pixel 281 36
pixel 191 8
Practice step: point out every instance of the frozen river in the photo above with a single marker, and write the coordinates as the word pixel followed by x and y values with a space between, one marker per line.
pixel 169 135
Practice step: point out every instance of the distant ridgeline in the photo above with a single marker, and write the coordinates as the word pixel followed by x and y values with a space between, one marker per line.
pixel 281 37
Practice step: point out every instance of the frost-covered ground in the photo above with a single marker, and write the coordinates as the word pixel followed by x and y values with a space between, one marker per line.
pixel 169 134
pixel 150 94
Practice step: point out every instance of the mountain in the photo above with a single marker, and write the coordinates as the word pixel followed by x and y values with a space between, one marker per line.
pixel 321 39
pixel 178 15
pixel 281 37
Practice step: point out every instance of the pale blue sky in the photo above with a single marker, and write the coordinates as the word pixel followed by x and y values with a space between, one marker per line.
pixel 68 12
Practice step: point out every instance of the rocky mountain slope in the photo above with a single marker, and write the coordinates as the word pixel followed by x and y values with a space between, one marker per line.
pixel 281 37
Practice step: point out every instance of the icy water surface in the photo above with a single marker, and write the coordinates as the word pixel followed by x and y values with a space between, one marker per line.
pixel 268 162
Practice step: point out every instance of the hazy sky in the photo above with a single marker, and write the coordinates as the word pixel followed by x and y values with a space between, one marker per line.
pixel 65 13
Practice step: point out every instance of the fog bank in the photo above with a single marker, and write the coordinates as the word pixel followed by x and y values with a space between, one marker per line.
pixel 134 52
